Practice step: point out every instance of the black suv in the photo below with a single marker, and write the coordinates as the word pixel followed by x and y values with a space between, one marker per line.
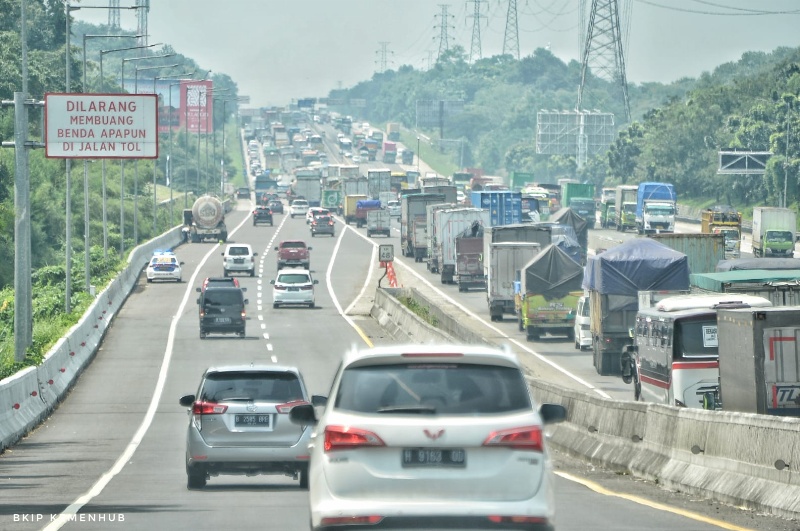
pixel 262 214
pixel 221 310
pixel 276 205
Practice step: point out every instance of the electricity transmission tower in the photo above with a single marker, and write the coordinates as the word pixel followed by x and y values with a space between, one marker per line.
pixel 511 36
pixel 603 52
pixel 444 26
pixel 141 15
pixel 113 15
pixel 382 53
pixel 475 47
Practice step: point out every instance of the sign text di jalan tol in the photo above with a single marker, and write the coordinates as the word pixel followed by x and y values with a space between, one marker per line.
pixel 98 126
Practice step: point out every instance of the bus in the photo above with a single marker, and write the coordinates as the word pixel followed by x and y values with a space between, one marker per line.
pixel 674 359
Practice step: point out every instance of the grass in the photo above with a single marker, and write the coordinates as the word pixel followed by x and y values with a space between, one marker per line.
pixel 423 312
pixel 441 163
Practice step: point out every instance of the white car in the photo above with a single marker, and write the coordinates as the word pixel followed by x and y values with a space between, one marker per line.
pixel 356 159
pixel 299 207
pixel 164 265
pixel 293 286
pixel 393 207
pixel 240 258
pixel 430 433
pixel 583 333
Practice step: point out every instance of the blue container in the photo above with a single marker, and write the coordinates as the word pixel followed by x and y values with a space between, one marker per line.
pixel 504 206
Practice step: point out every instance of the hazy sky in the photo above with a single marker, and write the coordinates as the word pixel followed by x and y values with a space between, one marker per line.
pixel 279 50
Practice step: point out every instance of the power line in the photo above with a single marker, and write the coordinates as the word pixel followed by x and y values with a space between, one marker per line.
pixel 748 13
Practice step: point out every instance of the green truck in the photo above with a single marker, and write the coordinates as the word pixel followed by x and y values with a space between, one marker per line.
pixel 579 197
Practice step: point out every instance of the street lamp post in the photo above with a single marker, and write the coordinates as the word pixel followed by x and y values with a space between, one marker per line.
pixel 418 155
pixel 122 162
pixel 155 165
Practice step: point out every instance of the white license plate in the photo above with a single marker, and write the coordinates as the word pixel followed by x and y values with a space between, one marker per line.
pixel 434 457
pixel 222 320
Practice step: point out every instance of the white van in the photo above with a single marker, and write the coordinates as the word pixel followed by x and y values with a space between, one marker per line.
pixel 583 334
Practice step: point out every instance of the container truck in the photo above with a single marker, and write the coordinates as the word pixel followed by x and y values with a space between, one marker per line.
pixel 759 362
pixel 206 220
pixel 779 286
pixel 774 232
pixel 502 264
pixel 625 204
pixel 449 191
pixel 469 258
pixel 580 198
pixel 379 222
pixel 332 199
pixel 518 180
pixel 378 181
pixel 265 183
pixel 350 204
pixel 355 186
pixel 431 235
pixel 308 184
pixel 613 279
pixel 372 147
pixel 725 220
pixel 393 131
pixel 449 223
pixel 407 157
pixel 656 204
pixel 504 206
pixel 389 152
pixel 550 286
pixel 412 210
pixel 703 251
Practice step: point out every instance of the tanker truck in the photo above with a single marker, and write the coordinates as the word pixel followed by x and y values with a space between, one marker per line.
pixel 206 220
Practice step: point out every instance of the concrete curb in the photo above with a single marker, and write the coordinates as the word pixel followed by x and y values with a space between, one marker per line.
pixel 30 396
pixel 736 452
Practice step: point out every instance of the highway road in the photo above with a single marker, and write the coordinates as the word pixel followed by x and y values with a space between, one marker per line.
pixel 115 448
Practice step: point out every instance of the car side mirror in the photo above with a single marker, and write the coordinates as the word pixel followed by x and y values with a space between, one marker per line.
pixel 552 413
pixel 319 400
pixel 255 254
pixel 303 415
pixel 182 263
pixel 276 248
pixel 272 281
pixel 198 290
pixel 187 400
pixel 309 248
pixel 222 253
pixel 316 282
pixel 246 301
pixel 198 299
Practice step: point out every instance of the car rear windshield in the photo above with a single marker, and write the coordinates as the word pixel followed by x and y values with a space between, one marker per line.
pixel 450 389
pixel 251 385
pixel 238 251
pixel 293 245
pixel 222 297
pixel 294 278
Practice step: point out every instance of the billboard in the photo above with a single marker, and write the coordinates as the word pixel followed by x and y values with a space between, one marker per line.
pixel 172 98
pixel 101 126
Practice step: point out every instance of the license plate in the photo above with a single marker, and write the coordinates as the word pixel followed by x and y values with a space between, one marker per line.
pixel 222 320
pixel 294 289
pixel 434 457
pixel 238 260
pixel 253 420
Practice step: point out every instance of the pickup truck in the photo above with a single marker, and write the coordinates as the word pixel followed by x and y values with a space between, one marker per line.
pixel 293 253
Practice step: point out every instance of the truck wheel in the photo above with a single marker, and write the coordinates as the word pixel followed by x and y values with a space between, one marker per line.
pixel 520 324
pixel 253 272
pixel 532 334
pixel 224 272
pixel 571 334
pixel 307 265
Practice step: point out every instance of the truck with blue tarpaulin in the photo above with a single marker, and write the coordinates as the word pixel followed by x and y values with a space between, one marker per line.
pixel 656 204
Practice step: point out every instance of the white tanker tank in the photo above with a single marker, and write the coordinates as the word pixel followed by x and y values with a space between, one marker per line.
pixel 206 219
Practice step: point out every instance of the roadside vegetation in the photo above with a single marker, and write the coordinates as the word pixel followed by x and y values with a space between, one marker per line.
pixel 423 312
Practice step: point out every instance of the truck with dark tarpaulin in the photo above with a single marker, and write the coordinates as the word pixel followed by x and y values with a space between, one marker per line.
pixel 613 279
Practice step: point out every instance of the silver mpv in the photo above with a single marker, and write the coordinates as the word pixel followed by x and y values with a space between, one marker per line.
pixel 239 424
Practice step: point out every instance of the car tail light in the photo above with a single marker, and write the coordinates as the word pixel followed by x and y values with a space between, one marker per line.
pixel 202 313
pixel 498 519
pixel 306 288
pixel 208 408
pixel 280 288
pixel 351 520
pixel 244 314
pixel 347 438
pixel 285 408
pixel 525 438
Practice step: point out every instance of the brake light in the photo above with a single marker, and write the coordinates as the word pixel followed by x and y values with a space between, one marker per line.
pixel 351 520
pixel 306 288
pixel 202 313
pixel 244 314
pixel 432 354
pixel 525 438
pixel 285 408
pixel 280 288
pixel 347 438
pixel 208 408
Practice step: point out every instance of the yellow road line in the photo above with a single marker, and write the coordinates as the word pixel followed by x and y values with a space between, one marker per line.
pixel 648 503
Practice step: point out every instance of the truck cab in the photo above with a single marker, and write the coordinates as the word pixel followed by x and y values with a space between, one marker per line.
pixel 658 216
